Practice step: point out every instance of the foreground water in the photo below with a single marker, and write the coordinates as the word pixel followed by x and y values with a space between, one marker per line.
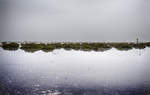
pixel 63 72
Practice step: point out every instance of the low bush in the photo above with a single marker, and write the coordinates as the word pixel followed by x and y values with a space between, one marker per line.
pixel 10 46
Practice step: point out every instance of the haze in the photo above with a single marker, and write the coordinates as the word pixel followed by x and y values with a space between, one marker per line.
pixel 74 20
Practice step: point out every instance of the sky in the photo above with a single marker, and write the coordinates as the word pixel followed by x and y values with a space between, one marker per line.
pixel 74 20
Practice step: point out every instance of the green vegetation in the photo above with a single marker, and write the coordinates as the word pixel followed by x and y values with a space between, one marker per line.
pixel 139 45
pixel 95 46
pixel 10 46
pixel 121 46
pixel 47 48
pixel 32 47
pixel 147 44
pixel 84 46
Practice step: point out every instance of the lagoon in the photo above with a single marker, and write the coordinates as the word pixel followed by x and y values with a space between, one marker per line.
pixel 75 72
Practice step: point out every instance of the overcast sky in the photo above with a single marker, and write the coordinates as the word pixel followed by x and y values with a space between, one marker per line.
pixel 74 20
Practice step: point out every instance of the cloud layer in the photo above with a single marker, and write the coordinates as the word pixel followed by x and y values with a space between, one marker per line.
pixel 74 20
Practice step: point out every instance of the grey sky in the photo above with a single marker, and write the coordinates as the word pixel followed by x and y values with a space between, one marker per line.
pixel 74 20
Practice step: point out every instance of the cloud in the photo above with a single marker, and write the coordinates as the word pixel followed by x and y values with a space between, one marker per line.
pixel 74 20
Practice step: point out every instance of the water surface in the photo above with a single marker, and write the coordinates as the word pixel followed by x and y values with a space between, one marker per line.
pixel 63 72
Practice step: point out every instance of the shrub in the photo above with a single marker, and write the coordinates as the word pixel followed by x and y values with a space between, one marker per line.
pixel 10 46
pixel 47 48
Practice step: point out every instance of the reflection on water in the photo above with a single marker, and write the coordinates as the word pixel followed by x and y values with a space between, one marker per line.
pixel 63 72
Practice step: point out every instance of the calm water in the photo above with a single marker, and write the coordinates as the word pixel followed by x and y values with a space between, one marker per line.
pixel 63 72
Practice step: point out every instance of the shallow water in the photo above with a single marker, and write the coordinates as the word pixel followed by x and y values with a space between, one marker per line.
pixel 63 72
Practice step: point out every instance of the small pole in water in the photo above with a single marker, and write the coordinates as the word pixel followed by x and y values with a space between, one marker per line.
pixel 137 40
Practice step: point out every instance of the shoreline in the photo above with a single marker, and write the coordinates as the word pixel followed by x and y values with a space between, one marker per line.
pixel 84 46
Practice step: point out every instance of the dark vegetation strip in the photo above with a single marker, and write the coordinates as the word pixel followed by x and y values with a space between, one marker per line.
pixel 10 46
pixel 85 46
